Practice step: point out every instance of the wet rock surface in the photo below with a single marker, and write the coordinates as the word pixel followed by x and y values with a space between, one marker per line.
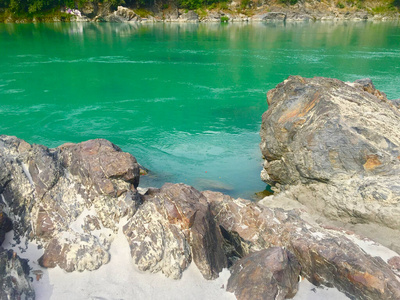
pixel 334 147
pixel 272 274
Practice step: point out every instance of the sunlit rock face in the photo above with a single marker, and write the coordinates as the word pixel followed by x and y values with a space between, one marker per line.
pixel 326 256
pixel 59 196
pixel 335 147
pixel 274 271
pixel 173 226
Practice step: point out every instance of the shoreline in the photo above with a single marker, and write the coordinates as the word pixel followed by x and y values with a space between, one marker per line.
pixel 264 14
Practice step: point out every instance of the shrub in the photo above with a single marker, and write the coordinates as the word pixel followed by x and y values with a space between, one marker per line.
pixel 340 5
pixel 224 19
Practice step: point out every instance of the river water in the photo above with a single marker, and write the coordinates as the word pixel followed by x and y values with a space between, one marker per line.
pixel 185 99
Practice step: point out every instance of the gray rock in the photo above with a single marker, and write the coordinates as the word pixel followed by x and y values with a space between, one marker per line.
pixel 174 225
pixel 171 14
pixel 122 14
pixel 396 103
pixel 90 9
pixel 270 274
pixel 327 257
pixel 334 147
pixel 189 16
pixel 212 16
pixel 46 190
pixel 5 225
pixel 73 251
pixel 270 16
pixel 14 277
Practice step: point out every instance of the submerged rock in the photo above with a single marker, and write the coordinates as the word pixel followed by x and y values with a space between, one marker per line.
pixel 270 274
pixel 335 147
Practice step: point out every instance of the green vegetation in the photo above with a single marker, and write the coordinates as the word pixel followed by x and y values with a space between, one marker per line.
pixel 340 5
pixel 196 4
pixel 224 19
pixel 288 2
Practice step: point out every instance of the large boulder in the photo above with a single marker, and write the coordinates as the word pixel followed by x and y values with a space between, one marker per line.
pixel 270 274
pixel 335 147
pixel 174 225
pixel 45 191
pixel 326 257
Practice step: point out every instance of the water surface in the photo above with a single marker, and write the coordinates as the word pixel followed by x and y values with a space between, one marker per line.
pixel 185 99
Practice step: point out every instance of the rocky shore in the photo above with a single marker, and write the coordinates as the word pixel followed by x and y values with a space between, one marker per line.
pixel 332 146
pixel 273 11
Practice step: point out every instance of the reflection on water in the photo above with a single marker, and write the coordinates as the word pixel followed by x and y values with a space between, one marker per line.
pixel 185 99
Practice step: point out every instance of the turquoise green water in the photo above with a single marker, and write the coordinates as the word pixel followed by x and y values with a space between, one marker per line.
pixel 185 100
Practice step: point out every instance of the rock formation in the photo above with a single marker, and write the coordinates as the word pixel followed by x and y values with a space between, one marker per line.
pixel 73 198
pixel 326 257
pixel 270 274
pixel 173 226
pixel 44 191
pixel 14 277
pixel 335 147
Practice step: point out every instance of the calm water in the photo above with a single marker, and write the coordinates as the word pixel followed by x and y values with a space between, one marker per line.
pixel 186 100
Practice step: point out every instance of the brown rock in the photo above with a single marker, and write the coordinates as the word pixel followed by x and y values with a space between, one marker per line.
pixel 394 262
pixel 99 163
pixel 334 147
pixel 326 257
pixel 173 225
pixel 270 274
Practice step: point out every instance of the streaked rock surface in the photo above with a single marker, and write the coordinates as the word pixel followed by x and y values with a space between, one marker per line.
pixel 335 147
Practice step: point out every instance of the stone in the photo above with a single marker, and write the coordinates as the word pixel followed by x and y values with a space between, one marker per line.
pixel 396 103
pixel 212 16
pixel 45 191
pixel 189 16
pixel 73 251
pixel 14 277
pixel 122 14
pixel 326 256
pixel 171 14
pixel 5 225
pixel 269 274
pixel 89 9
pixel 270 16
pixel 173 226
pixel 334 147
pixel 394 262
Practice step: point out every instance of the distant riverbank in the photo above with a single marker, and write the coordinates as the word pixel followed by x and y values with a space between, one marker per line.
pixel 244 11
